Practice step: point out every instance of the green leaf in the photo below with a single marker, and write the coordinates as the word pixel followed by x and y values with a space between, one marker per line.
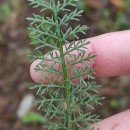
pixel 33 118
pixel 61 100
pixel 5 10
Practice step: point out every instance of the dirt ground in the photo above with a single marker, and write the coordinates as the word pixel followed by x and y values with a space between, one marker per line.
pixel 101 15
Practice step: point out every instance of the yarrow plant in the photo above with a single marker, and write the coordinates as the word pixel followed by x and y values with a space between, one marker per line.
pixel 66 99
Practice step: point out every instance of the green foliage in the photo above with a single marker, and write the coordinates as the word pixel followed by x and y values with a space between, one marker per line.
pixel 33 118
pixel 64 103
pixel 114 103
pixel 121 22
pixel 5 11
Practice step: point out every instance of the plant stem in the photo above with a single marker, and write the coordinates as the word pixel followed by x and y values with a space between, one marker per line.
pixel 64 69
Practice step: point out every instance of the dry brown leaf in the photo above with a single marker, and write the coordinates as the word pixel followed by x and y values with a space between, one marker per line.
pixel 119 4
pixel 97 4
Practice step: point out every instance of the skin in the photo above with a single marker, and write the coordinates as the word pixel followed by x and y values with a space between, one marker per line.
pixel 113 59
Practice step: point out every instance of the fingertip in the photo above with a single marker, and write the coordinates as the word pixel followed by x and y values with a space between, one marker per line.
pixel 34 75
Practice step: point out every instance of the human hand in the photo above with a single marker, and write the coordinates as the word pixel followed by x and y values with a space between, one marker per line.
pixel 113 59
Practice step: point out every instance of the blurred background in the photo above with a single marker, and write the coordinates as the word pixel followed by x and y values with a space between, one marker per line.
pixel 100 15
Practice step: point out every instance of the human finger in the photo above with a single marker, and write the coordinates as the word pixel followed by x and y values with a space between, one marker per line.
pixel 113 55
pixel 119 121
